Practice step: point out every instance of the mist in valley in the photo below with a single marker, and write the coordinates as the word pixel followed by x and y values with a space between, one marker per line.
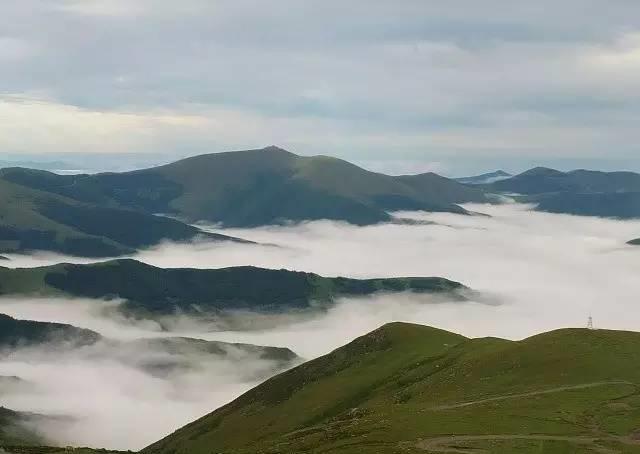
pixel 532 272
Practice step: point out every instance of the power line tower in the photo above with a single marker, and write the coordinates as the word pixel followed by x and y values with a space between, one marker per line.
pixel 590 323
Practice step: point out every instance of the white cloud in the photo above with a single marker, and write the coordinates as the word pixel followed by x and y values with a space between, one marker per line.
pixel 13 49
pixel 107 8
pixel 536 271
pixel 421 81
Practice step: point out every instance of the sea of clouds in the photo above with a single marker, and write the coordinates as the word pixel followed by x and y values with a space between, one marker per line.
pixel 534 272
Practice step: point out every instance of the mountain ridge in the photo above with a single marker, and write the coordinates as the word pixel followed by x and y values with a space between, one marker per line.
pixel 33 219
pixel 406 388
pixel 257 187
pixel 577 192
pixel 152 291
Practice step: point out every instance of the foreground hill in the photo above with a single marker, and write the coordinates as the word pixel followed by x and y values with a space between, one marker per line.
pixel 413 389
pixel 32 219
pixel 149 290
pixel 257 187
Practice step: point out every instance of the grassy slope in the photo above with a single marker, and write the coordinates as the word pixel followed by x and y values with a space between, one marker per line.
pixel 158 290
pixel 409 389
pixel 256 187
pixel 31 219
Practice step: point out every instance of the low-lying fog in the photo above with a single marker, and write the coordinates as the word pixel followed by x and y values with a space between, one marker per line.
pixel 537 272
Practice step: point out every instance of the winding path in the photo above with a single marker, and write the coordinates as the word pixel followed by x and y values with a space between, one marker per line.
pixel 530 394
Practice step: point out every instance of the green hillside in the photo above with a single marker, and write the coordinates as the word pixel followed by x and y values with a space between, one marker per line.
pixel 31 219
pixel 635 242
pixel 257 187
pixel 150 290
pixel 413 389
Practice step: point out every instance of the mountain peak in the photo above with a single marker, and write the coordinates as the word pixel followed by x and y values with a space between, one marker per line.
pixel 274 148
pixel 542 172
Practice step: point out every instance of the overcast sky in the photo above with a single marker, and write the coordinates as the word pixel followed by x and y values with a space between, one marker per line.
pixel 400 86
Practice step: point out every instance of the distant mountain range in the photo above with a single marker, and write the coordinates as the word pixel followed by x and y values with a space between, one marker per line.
pixel 114 214
pixel 410 388
pixel 542 180
pixel 485 178
pixel 256 187
pixel 151 291
pixel 579 192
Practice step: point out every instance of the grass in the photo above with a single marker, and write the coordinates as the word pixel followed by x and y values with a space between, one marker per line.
pixel 151 290
pixel 407 388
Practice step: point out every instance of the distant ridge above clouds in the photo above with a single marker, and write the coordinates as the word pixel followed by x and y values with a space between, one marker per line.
pixel 258 187
pixel 578 192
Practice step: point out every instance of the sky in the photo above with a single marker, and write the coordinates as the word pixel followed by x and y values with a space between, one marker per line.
pixel 455 87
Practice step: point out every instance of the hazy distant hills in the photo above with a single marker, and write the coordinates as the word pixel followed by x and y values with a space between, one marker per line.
pixel 415 389
pixel 579 192
pixel 257 187
pixel 23 333
pixel 485 178
pixel 32 219
pixel 623 205
pixel 113 214
pixel 148 290
pixel 162 353
pixel 635 242
pixel 543 180
pixel 158 357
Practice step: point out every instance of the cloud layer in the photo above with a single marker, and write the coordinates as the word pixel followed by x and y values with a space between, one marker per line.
pixel 544 270
pixel 536 272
